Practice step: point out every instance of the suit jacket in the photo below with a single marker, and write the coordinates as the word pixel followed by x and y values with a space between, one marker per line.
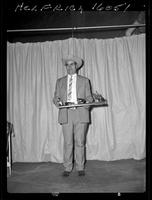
pixel 83 91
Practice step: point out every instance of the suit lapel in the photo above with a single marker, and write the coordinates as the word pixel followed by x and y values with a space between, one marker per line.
pixel 78 84
pixel 65 82
pixel 64 87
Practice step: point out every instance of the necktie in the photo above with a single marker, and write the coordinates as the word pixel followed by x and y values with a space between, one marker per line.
pixel 70 89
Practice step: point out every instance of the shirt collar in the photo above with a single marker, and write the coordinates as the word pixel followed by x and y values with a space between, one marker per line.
pixel 73 75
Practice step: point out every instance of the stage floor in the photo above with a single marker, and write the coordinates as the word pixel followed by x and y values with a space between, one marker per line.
pixel 101 176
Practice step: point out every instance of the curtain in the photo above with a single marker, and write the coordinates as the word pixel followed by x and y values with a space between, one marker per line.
pixel 116 69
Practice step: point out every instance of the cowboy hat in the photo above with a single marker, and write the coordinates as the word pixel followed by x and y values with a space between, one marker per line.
pixel 73 58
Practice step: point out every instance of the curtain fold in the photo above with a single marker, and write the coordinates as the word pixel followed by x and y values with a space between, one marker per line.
pixel 116 69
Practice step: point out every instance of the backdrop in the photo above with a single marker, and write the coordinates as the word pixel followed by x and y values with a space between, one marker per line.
pixel 116 69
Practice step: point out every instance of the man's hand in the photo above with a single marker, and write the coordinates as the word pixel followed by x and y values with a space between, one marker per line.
pixel 57 102
pixel 87 107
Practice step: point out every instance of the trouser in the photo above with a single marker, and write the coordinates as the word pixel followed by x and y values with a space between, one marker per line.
pixel 74 133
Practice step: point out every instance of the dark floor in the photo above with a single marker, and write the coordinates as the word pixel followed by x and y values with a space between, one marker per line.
pixel 101 176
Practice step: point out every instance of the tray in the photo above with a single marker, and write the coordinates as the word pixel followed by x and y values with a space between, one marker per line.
pixel 85 104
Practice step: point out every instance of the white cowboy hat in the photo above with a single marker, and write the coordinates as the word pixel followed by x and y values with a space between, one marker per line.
pixel 73 58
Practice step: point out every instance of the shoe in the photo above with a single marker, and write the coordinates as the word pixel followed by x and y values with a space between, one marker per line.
pixel 66 173
pixel 81 173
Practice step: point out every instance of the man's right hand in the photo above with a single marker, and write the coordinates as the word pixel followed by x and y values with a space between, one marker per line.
pixel 57 102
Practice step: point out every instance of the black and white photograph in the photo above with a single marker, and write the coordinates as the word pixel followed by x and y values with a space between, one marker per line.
pixel 76 98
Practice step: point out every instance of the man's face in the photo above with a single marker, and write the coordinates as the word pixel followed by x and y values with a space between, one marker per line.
pixel 71 67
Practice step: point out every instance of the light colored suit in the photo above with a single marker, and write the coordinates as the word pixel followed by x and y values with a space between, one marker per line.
pixel 74 122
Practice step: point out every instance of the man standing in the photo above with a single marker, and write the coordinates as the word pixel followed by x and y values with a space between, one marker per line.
pixel 74 120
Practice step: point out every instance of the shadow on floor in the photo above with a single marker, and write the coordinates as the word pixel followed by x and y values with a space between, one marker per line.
pixel 101 176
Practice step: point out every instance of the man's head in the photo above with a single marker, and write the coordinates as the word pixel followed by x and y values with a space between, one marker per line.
pixel 72 64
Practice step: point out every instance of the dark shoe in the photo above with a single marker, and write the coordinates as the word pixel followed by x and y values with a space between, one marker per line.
pixel 81 173
pixel 66 173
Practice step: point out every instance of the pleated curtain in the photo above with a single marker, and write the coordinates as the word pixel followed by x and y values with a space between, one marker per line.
pixel 116 69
